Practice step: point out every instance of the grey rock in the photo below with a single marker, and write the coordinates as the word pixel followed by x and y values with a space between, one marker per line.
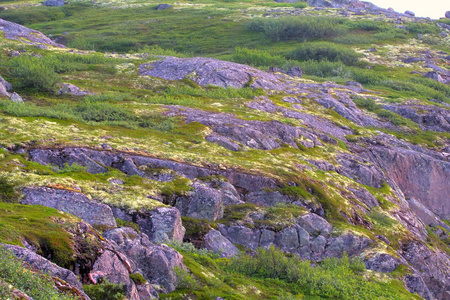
pixel 360 171
pixel 71 89
pixel 163 6
pixel 317 247
pixel 155 262
pixel 354 83
pixel 229 194
pixel 382 263
pixel 71 202
pixel 444 34
pixel 241 235
pixel 267 238
pixel 162 224
pixel 415 284
pixel 435 76
pixel 410 13
pixel 15 98
pixel 223 141
pixel 216 242
pixel 348 243
pixel 38 262
pixel 295 71
pixel 203 203
pixel 54 2
pixel 365 196
pixel 287 239
pixel 208 71
pixel 447 14
pixel 314 224
pixel 266 198
pixel 18 32
pixel 5 87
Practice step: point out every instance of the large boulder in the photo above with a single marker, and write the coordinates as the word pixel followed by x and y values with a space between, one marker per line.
pixel 382 263
pixel 163 6
pixel 155 262
pixel 447 14
pixel 162 224
pixel 203 203
pixel 71 202
pixel 217 243
pixel 39 263
pixel 71 89
pixel 5 87
pixel 209 71
pixel 15 31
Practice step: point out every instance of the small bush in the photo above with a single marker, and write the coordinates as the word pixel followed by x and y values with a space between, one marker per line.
pixel 320 51
pixel 8 192
pixel 185 280
pixel 102 111
pixel 325 69
pixel 366 103
pixel 298 28
pixel 105 290
pixel 257 58
pixel 34 74
pixel 34 285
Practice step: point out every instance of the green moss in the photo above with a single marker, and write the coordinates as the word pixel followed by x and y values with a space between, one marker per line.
pixel 138 279
pixel 122 223
pixel 196 229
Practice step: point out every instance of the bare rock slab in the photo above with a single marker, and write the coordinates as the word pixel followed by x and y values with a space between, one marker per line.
pixel 71 202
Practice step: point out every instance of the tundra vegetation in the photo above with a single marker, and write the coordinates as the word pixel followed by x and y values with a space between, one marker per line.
pixel 124 112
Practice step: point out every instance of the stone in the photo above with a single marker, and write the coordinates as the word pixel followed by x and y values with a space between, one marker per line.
pixel 38 262
pixel 382 263
pixel 447 14
pixel 5 87
pixel 266 198
pixel 354 83
pixel 162 224
pixel 229 194
pixel 203 203
pixel 241 235
pixel 155 262
pixel 209 71
pixel 71 89
pixel 287 239
pixel 54 2
pixel 415 284
pixel 217 243
pixel 410 13
pixel 444 34
pixel 163 6
pixel 15 98
pixel 70 202
pixel 314 224
pixel 15 31
pixel 295 71
pixel 435 76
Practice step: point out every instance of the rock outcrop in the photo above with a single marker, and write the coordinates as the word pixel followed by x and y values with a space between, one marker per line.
pixel 39 263
pixel 208 71
pixel 71 202
pixel 18 32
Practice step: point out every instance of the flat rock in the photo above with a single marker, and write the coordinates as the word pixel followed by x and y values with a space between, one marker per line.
pixel 18 32
pixel 71 202
pixel 163 6
pixel 5 87
pixel 382 263
pixel 208 71
pixel 54 2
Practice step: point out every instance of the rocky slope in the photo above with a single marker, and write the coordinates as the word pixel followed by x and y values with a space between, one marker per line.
pixel 307 167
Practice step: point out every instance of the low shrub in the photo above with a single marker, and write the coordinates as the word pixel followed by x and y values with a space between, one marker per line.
pixel 320 51
pixel 138 279
pixel 298 28
pixel 257 58
pixel 37 286
pixel 325 68
pixel 105 290
pixel 8 191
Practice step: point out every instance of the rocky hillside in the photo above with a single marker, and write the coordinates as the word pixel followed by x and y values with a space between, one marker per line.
pixel 223 150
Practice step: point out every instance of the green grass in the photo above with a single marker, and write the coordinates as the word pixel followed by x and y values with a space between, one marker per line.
pixel 33 284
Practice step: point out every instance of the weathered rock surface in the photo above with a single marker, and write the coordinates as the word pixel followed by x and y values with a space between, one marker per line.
pixel 202 203
pixel 15 31
pixel 155 262
pixel 71 89
pixel 216 242
pixel 208 71
pixel 382 263
pixel 71 202
pixel 310 238
pixel 427 116
pixel 432 266
pixel 418 175
pixel 55 3
pixel 163 6
pixel 253 134
pixel 38 262
pixel 163 225
pixel 5 87
pixel 15 98
pixel 447 14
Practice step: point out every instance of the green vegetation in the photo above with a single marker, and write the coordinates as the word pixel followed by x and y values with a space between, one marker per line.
pixel 105 290
pixel 39 226
pixel 8 191
pixel 138 279
pixel 33 284
pixel 320 51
